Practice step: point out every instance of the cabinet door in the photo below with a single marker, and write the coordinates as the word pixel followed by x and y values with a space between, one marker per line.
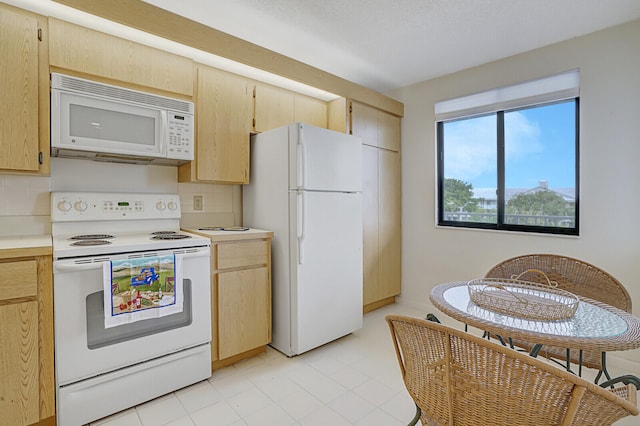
pixel 390 232
pixel 388 131
pixel 19 393
pixel 337 115
pixel 273 107
pixel 244 316
pixel 91 52
pixel 310 110
pixel 371 281
pixel 224 107
pixel 19 122
pixel 364 123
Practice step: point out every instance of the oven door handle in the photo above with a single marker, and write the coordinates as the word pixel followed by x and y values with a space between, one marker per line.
pixel 71 267
pixel 198 253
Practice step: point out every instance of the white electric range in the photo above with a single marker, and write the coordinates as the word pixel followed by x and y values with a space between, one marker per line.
pixel 101 368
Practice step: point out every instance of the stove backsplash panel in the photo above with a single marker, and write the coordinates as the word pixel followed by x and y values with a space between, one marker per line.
pixel 25 200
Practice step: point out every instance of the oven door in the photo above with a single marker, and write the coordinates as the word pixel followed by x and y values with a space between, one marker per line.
pixel 85 348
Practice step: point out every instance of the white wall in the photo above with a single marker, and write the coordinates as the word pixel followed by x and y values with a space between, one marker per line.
pixel 609 63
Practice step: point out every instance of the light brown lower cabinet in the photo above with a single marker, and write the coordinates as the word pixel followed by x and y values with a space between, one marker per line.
pixel 240 295
pixel 243 315
pixel 26 338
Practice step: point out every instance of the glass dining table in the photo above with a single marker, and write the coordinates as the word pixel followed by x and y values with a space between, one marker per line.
pixel 594 326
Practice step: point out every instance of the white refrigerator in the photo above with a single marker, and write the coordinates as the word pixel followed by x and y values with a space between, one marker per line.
pixel 305 185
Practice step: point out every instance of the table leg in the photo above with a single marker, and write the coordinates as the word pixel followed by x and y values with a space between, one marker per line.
pixel 535 350
pixel 603 369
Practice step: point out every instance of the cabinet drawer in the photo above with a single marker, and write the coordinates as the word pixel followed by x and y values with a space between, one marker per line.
pixel 18 279
pixel 242 254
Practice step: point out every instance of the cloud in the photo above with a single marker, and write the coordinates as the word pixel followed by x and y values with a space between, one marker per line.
pixel 522 136
pixel 470 147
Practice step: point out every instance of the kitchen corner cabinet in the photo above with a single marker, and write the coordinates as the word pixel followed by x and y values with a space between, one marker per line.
pixel 89 53
pixel 24 84
pixel 27 388
pixel 276 107
pixel 240 295
pixel 224 111
pixel 381 195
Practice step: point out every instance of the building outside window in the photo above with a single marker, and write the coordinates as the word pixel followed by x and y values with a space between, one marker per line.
pixel 508 158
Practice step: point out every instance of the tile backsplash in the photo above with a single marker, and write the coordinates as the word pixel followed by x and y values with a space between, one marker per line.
pixel 221 205
pixel 25 200
pixel 24 195
pixel 24 205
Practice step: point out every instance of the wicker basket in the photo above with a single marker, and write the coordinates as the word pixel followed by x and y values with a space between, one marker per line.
pixel 523 299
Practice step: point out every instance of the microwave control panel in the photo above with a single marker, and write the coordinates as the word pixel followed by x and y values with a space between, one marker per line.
pixel 180 138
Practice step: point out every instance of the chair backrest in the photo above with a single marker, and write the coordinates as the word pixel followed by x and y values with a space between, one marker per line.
pixel 458 378
pixel 574 275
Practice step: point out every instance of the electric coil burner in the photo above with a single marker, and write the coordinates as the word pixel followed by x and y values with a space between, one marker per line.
pixel 168 235
pixel 91 237
pixel 90 243
pixel 96 359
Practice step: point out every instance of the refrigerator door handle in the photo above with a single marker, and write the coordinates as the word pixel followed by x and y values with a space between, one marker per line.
pixel 301 226
pixel 302 170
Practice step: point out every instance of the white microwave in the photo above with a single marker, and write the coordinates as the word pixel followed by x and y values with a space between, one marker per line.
pixel 101 122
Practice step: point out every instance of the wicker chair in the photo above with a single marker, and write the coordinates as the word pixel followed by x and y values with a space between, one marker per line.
pixel 459 378
pixel 576 276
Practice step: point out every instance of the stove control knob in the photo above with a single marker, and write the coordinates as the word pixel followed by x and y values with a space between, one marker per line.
pixel 81 206
pixel 172 205
pixel 64 206
pixel 160 205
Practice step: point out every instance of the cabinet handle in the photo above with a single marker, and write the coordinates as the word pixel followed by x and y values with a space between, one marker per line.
pixel 40 158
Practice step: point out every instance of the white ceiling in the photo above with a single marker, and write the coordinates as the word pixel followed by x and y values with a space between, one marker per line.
pixel 386 44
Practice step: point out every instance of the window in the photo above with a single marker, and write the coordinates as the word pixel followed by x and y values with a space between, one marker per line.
pixel 508 158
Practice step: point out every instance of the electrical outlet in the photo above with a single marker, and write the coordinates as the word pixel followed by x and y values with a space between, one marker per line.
pixel 197 202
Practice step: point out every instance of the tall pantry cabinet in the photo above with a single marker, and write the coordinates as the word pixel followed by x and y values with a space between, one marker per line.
pixel 382 199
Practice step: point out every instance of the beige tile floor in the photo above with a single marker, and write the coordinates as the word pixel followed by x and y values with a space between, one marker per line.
pixel 352 381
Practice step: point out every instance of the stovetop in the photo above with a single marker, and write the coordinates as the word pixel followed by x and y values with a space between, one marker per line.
pixel 66 246
pixel 90 224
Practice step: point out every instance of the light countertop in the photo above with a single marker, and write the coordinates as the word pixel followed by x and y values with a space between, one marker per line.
pixel 28 245
pixel 250 234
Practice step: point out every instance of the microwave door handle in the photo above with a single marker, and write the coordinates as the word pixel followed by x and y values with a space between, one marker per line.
pixel 164 126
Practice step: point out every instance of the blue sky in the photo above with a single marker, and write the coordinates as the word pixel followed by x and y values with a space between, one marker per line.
pixel 539 145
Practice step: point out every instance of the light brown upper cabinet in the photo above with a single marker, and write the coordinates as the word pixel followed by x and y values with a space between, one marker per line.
pixel 228 108
pixel 276 107
pixel 224 111
pixel 337 115
pixel 376 128
pixel 309 110
pixel 24 84
pixel 381 201
pixel 92 54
